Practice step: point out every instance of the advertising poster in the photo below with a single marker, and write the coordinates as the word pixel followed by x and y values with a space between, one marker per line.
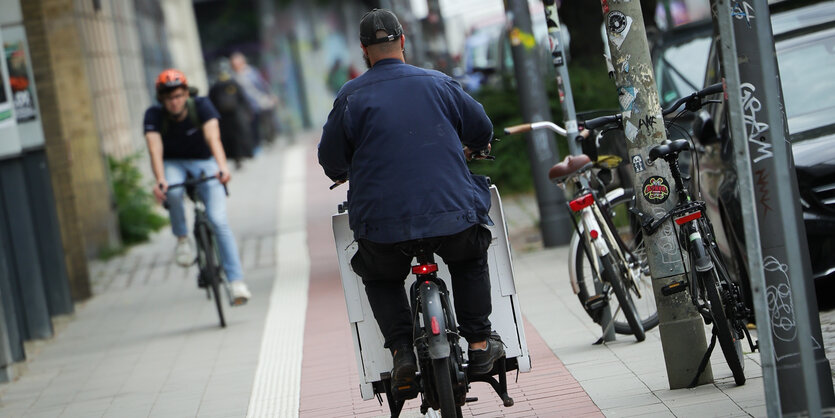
pixel 5 106
pixel 9 138
pixel 23 96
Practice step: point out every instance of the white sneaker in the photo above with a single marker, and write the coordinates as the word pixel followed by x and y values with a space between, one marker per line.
pixel 240 293
pixel 184 253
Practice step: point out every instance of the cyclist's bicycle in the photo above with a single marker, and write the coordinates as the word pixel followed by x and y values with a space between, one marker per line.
pixel 211 275
pixel 716 297
pixel 607 254
pixel 442 378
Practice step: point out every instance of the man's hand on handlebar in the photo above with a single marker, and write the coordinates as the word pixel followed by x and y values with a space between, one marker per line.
pixel 337 183
pixel 224 176
pixel 478 155
pixel 160 191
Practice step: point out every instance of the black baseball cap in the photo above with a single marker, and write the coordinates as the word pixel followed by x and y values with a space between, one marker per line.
pixel 376 20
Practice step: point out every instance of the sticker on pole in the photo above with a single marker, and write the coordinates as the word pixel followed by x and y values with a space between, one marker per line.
pixel 638 163
pixel 618 25
pixel 656 190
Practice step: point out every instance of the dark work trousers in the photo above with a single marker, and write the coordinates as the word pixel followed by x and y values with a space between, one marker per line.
pixel 384 268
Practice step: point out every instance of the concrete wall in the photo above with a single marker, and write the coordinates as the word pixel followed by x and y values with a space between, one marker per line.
pixel 113 57
pixel 184 42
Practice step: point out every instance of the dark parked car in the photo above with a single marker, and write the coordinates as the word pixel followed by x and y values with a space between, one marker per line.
pixel 805 45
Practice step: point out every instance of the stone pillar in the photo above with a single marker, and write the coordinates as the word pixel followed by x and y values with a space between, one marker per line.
pixel 184 42
pixel 78 171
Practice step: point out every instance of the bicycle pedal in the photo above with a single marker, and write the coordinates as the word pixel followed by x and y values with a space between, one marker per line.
pixel 673 288
pixel 596 302
pixel 405 391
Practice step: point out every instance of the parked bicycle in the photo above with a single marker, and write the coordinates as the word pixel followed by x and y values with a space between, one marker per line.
pixel 211 275
pixel 607 254
pixel 716 297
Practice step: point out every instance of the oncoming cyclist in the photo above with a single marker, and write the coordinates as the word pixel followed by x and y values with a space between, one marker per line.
pixel 398 131
pixel 184 139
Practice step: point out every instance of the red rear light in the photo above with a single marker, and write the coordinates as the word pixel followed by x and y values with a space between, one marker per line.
pixel 593 234
pixel 436 329
pixel 687 218
pixel 581 202
pixel 424 268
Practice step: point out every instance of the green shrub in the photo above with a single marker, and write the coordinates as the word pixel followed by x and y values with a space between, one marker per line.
pixel 138 217
pixel 511 171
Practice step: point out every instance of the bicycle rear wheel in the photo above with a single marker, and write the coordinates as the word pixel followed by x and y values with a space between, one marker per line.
pixel 725 331
pixel 211 268
pixel 442 370
pixel 639 287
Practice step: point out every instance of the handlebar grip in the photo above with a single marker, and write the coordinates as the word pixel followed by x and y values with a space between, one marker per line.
pixel 517 129
pixel 713 89
pixel 602 121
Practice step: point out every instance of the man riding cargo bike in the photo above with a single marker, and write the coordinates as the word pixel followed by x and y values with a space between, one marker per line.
pixel 398 131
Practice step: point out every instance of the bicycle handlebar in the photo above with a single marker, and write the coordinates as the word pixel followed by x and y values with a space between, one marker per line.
pixel 595 123
pixel 692 102
pixel 527 127
pixel 202 179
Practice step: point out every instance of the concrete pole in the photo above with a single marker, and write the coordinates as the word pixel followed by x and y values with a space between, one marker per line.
pixel 682 328
pixel 792 349
pixel 542 148
pixel 569 117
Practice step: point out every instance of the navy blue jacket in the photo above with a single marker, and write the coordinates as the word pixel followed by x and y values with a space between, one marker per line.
pixel 398 131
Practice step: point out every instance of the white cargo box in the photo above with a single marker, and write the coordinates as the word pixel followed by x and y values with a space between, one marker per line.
pixel 372 358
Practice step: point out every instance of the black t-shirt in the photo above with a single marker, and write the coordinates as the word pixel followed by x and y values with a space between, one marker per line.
pixel 182 140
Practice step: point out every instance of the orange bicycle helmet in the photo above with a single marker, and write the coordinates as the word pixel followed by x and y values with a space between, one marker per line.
pixel 170 79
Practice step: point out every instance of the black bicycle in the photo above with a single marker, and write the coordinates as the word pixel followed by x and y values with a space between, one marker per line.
pixel 211 275
pixel 442 378
pixel 716 297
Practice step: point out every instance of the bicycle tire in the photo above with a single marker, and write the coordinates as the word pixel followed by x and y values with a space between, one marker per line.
pixel 633 238
pixel 441 371
pixel 211 270
pixel 627 305
pixel 730 345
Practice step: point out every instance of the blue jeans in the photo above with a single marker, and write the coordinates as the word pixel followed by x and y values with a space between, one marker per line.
pixel 214 197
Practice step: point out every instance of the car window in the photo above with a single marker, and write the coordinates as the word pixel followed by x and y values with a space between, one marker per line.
pixel 680 70
pixel 806 71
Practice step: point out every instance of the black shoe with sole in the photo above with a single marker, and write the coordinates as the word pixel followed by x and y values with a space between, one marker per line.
pixel 403 381
pixel 481 361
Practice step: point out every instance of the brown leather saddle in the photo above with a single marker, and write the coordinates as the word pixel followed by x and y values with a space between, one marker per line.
pixel 568 166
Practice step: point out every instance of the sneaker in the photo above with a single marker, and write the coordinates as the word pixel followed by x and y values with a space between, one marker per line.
pixel 481 361
pixel 240 293
pixel 403 382
pixel 184 253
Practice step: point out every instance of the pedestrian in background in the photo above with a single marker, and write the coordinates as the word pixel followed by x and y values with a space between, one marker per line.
pixel 235 115
pixel 261 101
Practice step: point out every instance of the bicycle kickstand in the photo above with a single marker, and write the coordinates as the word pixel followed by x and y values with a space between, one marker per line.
pixel 500 386
pixel 609 326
